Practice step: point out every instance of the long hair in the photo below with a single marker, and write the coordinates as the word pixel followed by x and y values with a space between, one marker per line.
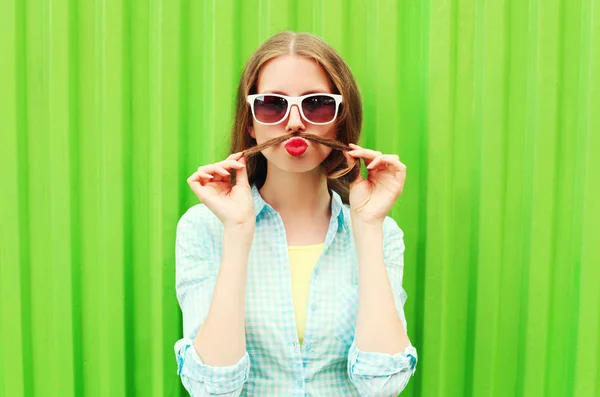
pixel 347 125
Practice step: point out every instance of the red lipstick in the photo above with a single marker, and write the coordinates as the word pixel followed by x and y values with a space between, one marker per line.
pixel 296 146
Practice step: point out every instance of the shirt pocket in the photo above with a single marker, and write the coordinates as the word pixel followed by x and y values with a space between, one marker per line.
pixel 346 314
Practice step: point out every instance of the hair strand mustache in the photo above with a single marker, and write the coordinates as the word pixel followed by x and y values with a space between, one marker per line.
pixel 353 169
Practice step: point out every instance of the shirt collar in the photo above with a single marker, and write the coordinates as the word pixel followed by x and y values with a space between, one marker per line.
pixel 337 206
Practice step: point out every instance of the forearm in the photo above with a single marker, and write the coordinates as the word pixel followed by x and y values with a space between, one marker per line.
pixel 221 340
pixel 378 328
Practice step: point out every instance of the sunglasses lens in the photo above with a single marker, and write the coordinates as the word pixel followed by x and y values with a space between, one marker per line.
pixel 319 108
pixel 270 108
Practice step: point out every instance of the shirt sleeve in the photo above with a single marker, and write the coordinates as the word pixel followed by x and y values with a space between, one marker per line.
pixel 197 266
pixel 381 374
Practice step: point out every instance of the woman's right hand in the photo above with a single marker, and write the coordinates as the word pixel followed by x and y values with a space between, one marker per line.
pixel 232 204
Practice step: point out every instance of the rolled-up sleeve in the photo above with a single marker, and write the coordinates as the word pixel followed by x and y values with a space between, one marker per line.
pixel 204 380
pixel 197 265
pixel 379 374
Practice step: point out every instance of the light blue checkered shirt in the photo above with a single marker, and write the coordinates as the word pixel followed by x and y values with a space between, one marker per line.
pixel 328 362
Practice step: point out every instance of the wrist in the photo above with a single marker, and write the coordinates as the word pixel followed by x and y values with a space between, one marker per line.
pixel 366 230
pixel 240 228
pixel 362 222
pixel 241 234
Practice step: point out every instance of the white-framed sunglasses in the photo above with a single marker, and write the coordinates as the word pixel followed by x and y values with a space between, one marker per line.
pixel 270 109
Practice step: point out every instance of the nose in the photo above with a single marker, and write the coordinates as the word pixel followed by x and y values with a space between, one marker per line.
pixel 294 122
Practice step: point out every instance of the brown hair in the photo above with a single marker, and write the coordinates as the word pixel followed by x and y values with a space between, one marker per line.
pixel 347 125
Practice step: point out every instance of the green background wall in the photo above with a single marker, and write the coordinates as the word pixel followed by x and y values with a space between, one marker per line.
pixel 107 106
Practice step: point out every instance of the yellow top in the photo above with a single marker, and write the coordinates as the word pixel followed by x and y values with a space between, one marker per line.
pixel 302 261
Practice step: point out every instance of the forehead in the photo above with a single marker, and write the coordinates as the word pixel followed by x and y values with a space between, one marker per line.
pixel 292 75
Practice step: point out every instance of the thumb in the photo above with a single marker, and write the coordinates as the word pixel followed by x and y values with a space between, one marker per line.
pixel 358 178
pixel 355 171
pixel 241 175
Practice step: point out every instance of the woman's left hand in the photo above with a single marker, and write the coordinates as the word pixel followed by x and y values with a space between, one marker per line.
pixel 372 199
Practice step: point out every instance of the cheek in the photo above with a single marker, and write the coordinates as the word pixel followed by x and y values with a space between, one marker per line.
pixel 332 133
pixel 323 151
pixel 263 133
pixel 324 131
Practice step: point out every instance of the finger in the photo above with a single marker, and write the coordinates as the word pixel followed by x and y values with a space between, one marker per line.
pixel 214 169
pixel 392 163
pixel 382 162
pixel 201 186
pixel 351 160
pixel 204 175
pixel 235 156
pixel 231 164
pixel 359 178
pixel 221 167
pixel 199 177
pixel 209 169
pixel 356 148
pixel 366 154
pixel 220 170
pixel 374 163
pixel 241 175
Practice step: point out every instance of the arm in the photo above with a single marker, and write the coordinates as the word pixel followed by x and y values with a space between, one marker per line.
pixel 212 355
pixel 381 359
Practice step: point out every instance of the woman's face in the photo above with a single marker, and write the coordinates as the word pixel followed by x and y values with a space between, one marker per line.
pixel 293 76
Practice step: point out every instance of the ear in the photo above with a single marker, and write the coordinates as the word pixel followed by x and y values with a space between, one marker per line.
pixel 251 131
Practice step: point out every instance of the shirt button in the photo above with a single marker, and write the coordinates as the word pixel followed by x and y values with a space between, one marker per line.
pixel 316 271
pixel 299 383
pixel 313 307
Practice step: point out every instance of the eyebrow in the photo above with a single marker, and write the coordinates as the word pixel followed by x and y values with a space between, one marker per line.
pixel 319 91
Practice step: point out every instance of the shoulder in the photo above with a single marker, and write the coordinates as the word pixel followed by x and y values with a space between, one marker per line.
pixel 198 221
pixel 391 229
pixel 393 238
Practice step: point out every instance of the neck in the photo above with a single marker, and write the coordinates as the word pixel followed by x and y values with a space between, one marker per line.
pixel 297 194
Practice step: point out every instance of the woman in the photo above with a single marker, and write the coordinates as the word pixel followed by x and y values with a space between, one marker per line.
pixel 289 275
